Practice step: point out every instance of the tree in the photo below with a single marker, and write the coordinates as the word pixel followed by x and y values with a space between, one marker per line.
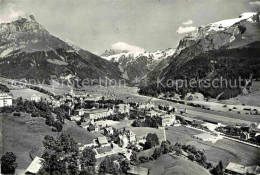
pixel 218 170
pixel 108 166
pixel 157 153
pixel 89 170
pixel 137 123
pixel 61 155
pixel 151 141
pixel 172 148
pixel 178 152
pixel 134 159
pixel 124 165
pixel 58 125
pixel 88 158
pixel 165 147
pixel 8 163
pixel 49 120
pixel 191 157
pixel 72 164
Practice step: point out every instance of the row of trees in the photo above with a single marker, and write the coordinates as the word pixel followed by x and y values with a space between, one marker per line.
pixel 153 122
pixel 39 109
pixel 193 154
pixel 61 156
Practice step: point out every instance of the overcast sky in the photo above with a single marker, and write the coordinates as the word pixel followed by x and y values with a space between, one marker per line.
pixel 97 25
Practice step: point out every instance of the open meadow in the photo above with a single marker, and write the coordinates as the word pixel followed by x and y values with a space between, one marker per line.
pixel 27 93
pixel 24 135
pixel 169 165
pixel 140 132
pixel 224 150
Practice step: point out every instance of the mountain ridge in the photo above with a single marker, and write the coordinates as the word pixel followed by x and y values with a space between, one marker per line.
pixel 27 50
pixel 138 64
pixel 224 37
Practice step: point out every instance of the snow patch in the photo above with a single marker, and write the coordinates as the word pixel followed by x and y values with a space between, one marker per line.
pixel 221 25
pixel 6 52
pixel 131 56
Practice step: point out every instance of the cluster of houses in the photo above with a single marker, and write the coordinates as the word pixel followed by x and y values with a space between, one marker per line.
pixel 97 113
pixel 6 99
pixel 243 132
pixel 72 98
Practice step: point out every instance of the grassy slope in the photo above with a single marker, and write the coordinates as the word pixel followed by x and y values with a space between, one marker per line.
pixel 167 165
pixel 23 136
pixel 224 150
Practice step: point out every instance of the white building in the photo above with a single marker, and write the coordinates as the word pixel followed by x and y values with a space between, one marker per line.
pixel 131 136
pixel 36 98
pixel 168 120
pixel 6 99
pixel 122 109
pixel 35 166
pixel 208 137
pixel 123 141
pixel 79 112
pixel 97 113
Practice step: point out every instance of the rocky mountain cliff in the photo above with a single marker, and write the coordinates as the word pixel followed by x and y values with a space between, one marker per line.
pixel 138 64
pixel 226 48
pixel 28 50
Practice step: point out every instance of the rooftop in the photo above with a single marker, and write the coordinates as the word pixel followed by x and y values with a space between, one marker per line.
pixel 137 170
pixel 94 111
pixel 35 165
pixel 102 140
pixel 236 168
pixel 241 169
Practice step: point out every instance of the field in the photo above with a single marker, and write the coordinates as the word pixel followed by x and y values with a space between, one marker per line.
pixel 24 135
pixel 27 93
pixel 225 150
pixel 168 165
pixel 129 94
pixel 250 99
pixel 140 132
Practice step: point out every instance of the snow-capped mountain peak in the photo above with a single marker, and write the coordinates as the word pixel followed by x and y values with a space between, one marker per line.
pixel 156 56
pixel 138 64
pixel 221 25
pixel 218 34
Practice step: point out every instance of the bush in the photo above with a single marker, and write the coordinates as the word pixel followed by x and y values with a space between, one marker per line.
pixel 8 163
pixel 151 141
pixel 35 114
pixel 17 114
pixel 157 153
pixel 7 109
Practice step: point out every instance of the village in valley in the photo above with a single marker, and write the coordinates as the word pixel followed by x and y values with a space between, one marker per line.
pixel 137 87
pixel 127 134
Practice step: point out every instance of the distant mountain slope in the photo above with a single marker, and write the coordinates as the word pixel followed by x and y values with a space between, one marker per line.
pixel 228 48
pixel 28 50
pixel 138 64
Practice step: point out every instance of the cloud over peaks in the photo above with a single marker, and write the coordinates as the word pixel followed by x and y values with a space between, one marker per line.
pixel 189 22
pixel 124 46
pixel 10 14
pixel 255 3
pixel 182 30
